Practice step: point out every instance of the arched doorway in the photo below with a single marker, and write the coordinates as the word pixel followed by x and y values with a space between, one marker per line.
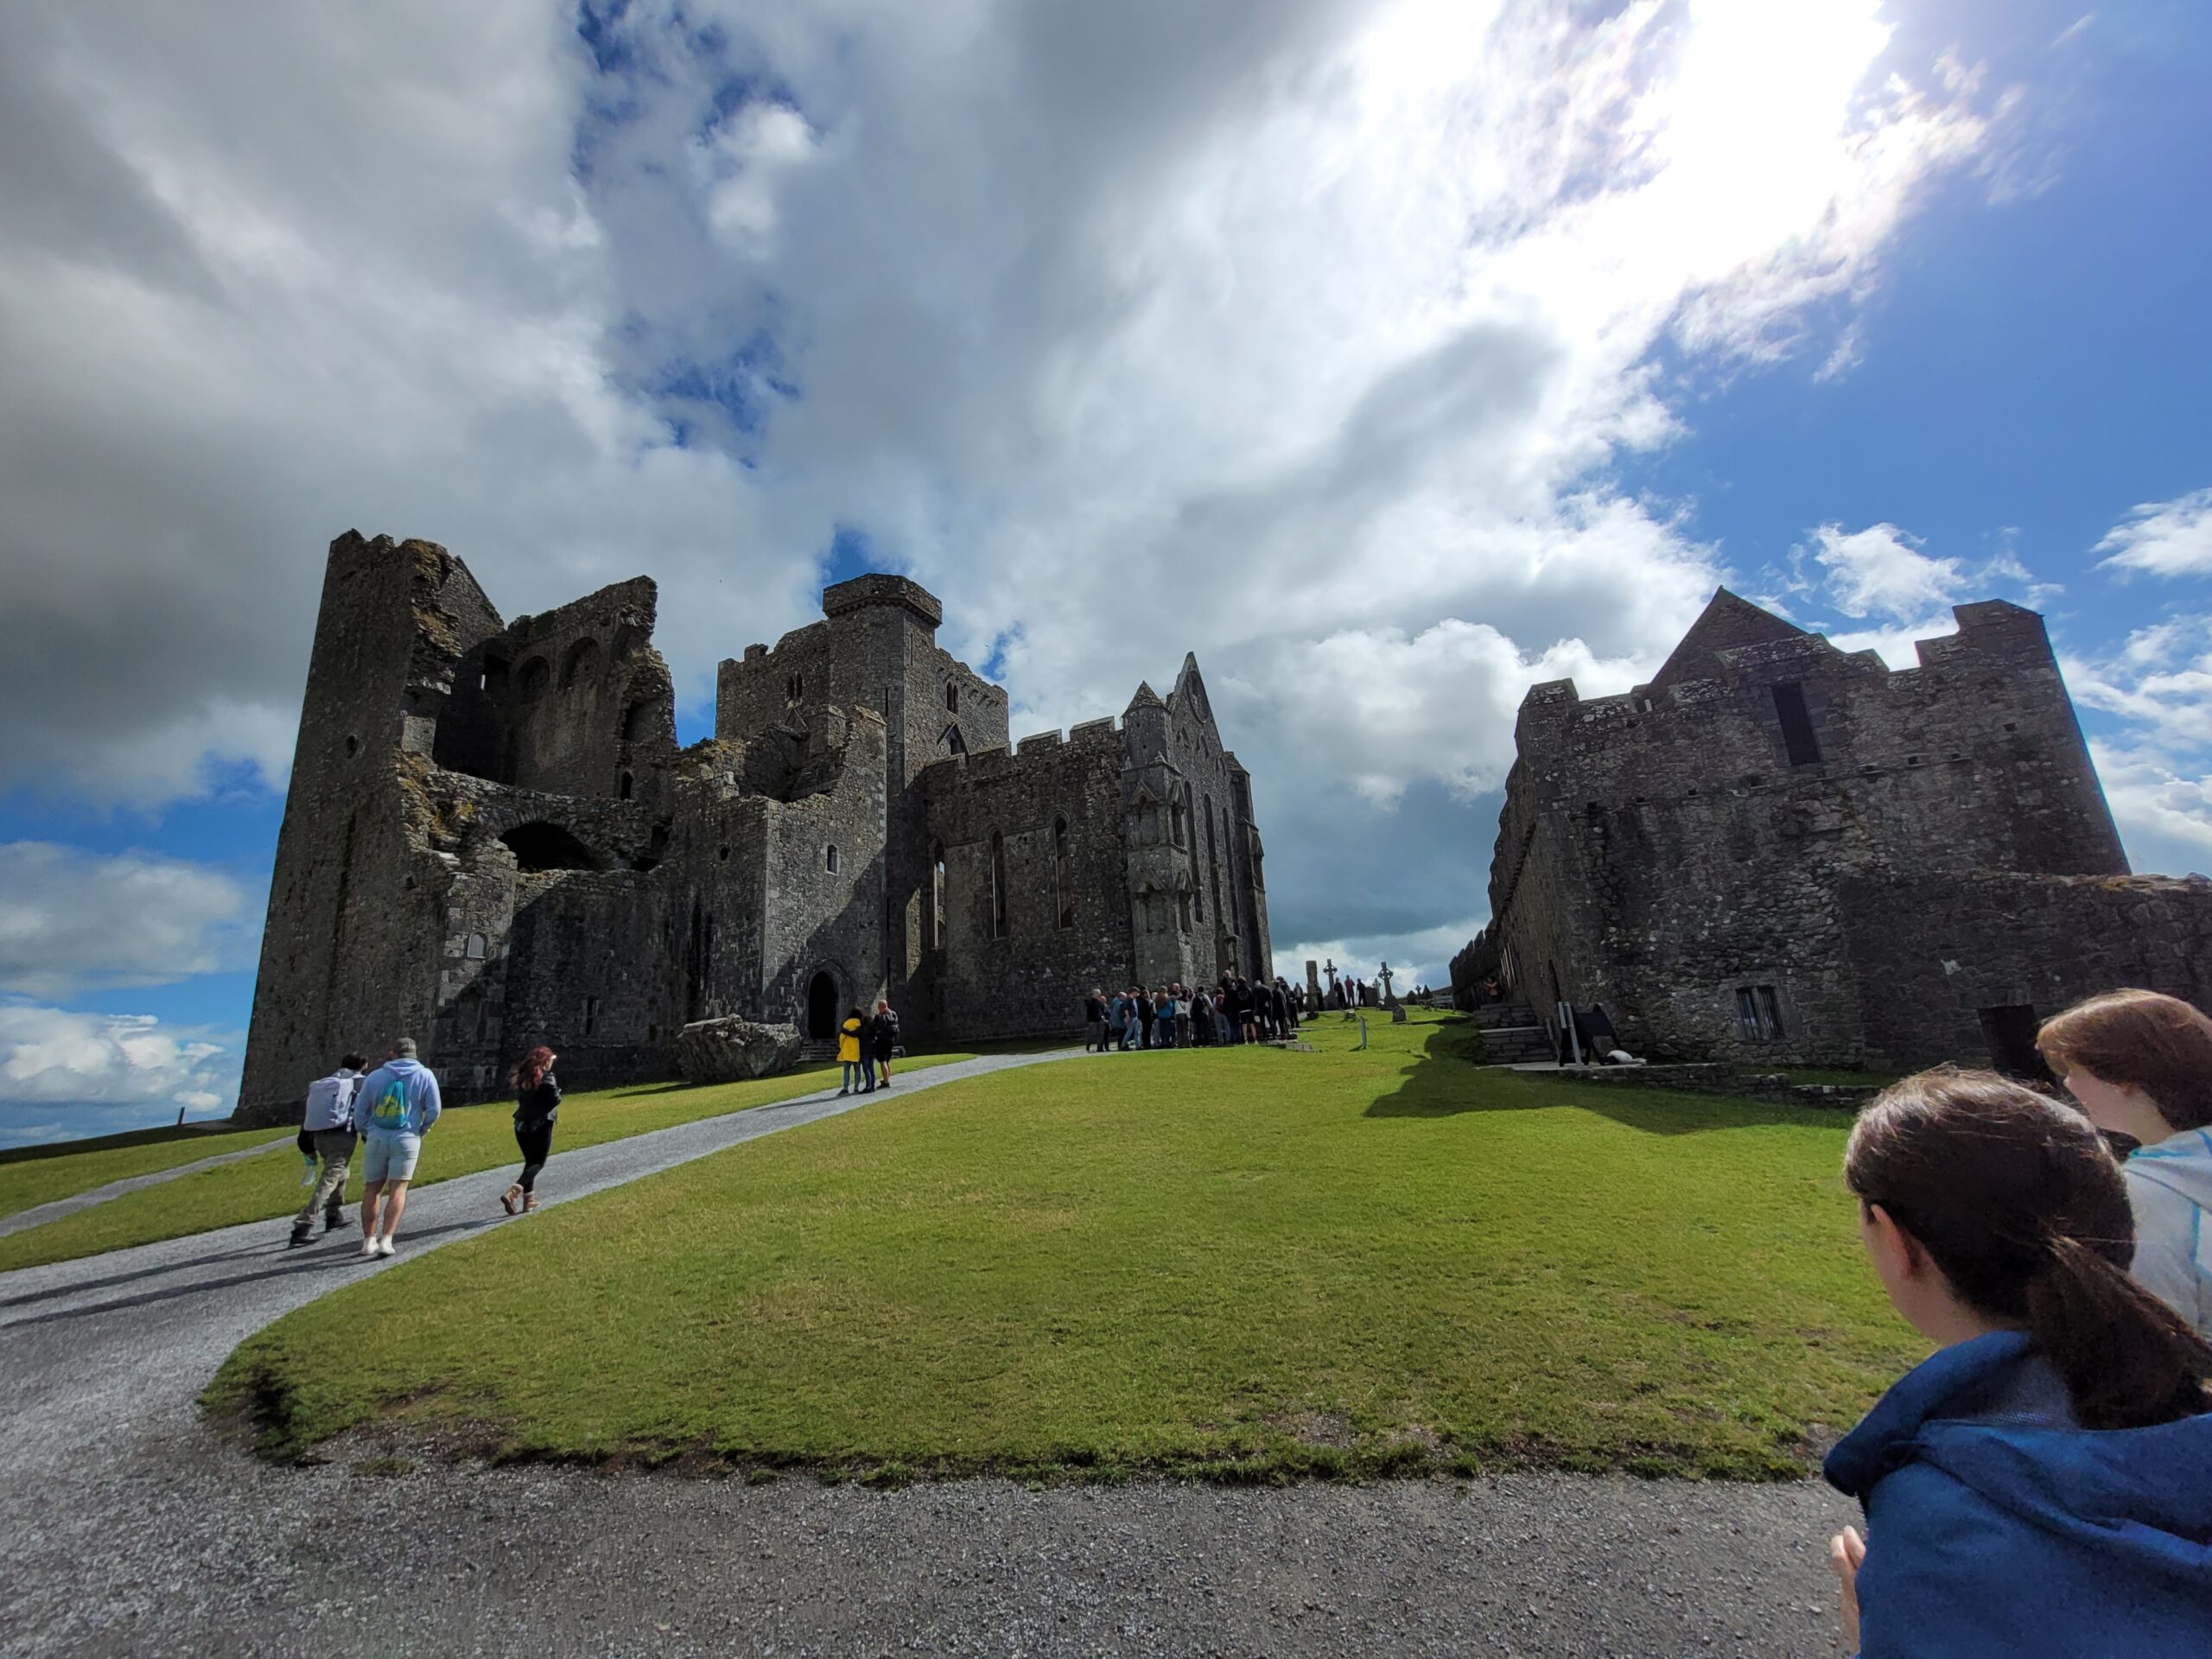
pixel 822 1008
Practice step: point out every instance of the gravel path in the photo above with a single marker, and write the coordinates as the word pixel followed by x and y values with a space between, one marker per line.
pixel 56 1209
pixel 127 1526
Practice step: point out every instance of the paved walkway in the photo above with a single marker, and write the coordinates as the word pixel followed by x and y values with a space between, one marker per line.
pixel 56 1209
pixel 127 1526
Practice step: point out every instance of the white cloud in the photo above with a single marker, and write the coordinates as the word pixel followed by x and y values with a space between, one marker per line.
pixel 71 920
pixel 1881 570
pixel 2157 765
pixel 64 1074
pixel 2167 538
pixel 1306 336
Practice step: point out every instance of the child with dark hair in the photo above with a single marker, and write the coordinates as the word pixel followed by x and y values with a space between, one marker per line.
pixel 2043 1486
pixel 2140 1064
pixel 849 1031
pixel 537 1103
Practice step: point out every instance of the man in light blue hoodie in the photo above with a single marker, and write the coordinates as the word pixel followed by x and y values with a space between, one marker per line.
pixel 394 1108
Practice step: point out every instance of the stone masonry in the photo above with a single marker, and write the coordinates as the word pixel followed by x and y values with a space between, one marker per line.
pixel 492 839
pixel 1778 852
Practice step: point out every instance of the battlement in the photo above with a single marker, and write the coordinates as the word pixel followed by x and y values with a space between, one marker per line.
pixel 863 593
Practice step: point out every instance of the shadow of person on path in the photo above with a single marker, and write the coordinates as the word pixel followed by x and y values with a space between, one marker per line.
pixel 319 1260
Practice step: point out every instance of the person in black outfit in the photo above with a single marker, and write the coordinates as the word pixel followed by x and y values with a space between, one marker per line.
pixel 1279 1003
pixel 1144 1017
pixel 1094 1015
pixel 884 1030
pixel 537 1103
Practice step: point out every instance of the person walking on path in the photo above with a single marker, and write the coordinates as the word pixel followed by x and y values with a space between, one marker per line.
pixel 328 1127
pixel 396 1104
pixel 2140 1064
pixel 849 1051
pixel 1094 1016
pixel 884 1030
pixel 537 1103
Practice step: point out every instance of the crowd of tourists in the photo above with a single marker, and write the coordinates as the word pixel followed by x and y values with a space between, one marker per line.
pixel 1233 1009
pixel 2041 1486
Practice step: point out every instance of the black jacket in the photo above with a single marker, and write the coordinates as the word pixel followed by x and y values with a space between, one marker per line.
pixel 880 1035
pixel 534 1108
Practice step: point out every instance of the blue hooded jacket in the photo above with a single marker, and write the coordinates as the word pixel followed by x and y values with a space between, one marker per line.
pixel 399 1097
pixel 1995 1525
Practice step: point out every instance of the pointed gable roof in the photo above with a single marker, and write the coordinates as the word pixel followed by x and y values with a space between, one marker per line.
pixel 1729 622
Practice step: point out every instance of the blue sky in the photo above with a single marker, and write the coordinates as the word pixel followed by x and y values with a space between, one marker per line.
pixel 1391 356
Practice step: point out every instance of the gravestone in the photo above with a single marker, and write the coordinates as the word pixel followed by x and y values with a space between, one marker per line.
pixel 1313 984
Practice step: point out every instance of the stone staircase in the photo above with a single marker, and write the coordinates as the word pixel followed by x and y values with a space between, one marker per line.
pixel 817 1048
pixel 1512 1034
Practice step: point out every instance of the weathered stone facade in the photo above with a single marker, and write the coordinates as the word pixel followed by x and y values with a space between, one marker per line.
pixel 492 839
pixel 1778 852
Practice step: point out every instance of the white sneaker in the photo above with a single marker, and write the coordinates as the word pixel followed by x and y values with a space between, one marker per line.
pixel 383 1246
pixel 369 1248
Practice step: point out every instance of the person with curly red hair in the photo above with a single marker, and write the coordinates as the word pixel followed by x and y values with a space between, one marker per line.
pixel 537 1103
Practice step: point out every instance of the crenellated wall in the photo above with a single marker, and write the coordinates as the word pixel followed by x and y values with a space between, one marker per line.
pixel 1716 832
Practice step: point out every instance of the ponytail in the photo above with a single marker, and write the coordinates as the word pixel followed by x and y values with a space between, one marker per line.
pixel 2126 1358
pixel 2015 1200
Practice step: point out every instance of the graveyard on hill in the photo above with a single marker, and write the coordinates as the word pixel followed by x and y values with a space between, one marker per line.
pixel 1238 1264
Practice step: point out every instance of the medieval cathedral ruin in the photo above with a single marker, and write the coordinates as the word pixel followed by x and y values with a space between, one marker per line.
pixel 492 839
pixel 1779 852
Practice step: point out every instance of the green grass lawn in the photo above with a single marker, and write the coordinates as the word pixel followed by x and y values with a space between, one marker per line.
pixel 1238 1263
pixel 466 1139
pixel 36 1175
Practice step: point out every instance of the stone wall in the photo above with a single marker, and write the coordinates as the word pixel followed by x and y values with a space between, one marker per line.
pixel 1708 837
pixel 1052 809
pixel 1935 972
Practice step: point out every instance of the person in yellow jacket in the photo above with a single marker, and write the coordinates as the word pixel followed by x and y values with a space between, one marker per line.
pixel 848 1050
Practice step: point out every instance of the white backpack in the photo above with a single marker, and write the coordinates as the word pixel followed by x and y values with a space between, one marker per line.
pixel 330 1101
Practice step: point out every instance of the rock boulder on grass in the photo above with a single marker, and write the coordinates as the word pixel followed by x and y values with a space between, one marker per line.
pixel 730 1050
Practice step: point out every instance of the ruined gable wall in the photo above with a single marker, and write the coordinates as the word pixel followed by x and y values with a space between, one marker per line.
pixel 570 702
pixel 1929 959
pixel 342 960
pixel 1032 980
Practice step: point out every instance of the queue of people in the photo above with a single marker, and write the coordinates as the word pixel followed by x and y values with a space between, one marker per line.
pixel 1233 1010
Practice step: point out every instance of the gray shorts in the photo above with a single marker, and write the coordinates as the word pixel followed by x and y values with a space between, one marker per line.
pixel 390 1157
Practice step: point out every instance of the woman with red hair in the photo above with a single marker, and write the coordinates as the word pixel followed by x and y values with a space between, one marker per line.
pixel 537 1103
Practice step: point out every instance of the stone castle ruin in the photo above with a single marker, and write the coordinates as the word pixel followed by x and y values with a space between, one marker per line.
pixel 492 839
pixel 1781 853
